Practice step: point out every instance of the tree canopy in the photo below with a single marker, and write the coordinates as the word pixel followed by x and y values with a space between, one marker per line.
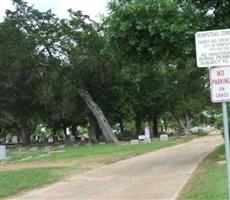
pixel 138 65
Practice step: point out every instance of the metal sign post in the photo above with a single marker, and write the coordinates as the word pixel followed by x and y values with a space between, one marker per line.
pixel 220 92
pixel 226 139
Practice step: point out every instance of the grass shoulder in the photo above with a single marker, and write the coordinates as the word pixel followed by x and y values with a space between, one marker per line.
pixel 209 181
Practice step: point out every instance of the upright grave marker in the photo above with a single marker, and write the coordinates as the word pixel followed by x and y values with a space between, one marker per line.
pixel 213 50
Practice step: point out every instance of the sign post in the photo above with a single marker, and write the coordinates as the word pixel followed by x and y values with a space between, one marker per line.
pixel 220 92
pixel 226 139
pixel 212 50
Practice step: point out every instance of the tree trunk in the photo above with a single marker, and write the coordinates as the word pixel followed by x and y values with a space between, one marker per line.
pixel 67 137
pixel 155 126
pixel 75 133
pixel 121 126
pixel 150 122
pixel 25 135
pixel 138 124
pixel 55 137
pixel 101 120
pixel 93 129
pixel 186 124
pixel 165 124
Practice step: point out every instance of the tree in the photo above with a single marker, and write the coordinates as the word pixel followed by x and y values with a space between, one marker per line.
pixel 20 75
pixel 155 38
pixel 72 46
pixel 83 47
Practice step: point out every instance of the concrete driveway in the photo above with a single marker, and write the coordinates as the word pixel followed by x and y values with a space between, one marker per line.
pixel 159 175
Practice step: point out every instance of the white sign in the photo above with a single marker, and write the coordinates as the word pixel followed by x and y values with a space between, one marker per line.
pixel 213 48
pixel 220 84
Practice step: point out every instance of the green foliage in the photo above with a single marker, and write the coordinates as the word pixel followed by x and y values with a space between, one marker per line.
pixel 10 127
pixel 155 40
pixel 139 63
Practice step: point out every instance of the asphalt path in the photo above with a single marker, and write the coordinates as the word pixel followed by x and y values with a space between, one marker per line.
pixel 158 175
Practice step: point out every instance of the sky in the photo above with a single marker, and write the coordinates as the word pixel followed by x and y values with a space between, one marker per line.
pixel 93 8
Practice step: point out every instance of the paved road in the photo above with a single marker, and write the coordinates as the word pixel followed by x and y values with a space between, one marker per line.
pixel 158 175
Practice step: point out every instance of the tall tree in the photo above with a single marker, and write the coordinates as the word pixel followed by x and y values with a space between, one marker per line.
pixel 155 37
pixel 88 64
pixel 20 75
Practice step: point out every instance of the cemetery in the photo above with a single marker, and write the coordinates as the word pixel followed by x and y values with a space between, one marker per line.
pixel 127 101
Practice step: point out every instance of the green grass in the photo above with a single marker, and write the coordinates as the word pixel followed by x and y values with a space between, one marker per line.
pixel 13 181
pixel 209 182
pixel 72 152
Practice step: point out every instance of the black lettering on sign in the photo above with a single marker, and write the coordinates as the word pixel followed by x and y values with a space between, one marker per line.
pixel 220 73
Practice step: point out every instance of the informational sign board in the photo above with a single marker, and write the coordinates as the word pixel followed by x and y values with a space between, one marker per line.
pixel 220 84
pixel 213 48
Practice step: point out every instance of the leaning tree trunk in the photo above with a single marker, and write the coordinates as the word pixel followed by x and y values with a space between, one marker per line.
pixel 97 112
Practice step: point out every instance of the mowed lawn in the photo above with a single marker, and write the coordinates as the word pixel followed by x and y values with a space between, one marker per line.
pixel 209 182
pixel 31 168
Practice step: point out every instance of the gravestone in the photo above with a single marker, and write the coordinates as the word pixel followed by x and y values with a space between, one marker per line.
pixel 34 148
pixel 72 138
pixel 22 149
pixel 2 140
pixel 76 145
pixel 47 149
pixel 163 137
pixel 102 143
pixel 147 131
pixel 50 139
pixel 68 131
pixel 134 141
pixel 61 146
pixel 147 140
pixel 14 140
pixel 8 139
pixel 42 138
pixel 3 152
pixel 146 136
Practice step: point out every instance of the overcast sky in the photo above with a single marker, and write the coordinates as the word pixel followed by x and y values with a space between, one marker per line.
pixel 90 7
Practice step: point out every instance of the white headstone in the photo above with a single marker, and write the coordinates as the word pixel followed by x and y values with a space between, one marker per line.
pixel 3 152
pixel 147 131
pixel 163 137
pixel 34 148
pixel 68 131
pixel 134 141
pixel 8 138
pixel 147 140
pixel 72 138
pixel 61 146
pixel 50 139
pixel 14 139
